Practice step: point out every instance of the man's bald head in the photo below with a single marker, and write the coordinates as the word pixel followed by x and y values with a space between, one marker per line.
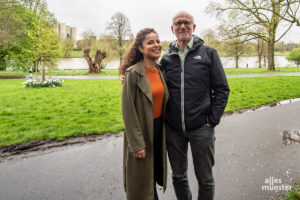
pixel 183 14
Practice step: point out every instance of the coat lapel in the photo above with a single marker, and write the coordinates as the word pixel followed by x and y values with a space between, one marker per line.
pixel 143 82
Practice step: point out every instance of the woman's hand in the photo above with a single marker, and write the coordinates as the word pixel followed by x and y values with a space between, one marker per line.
pixel 140 154
pixel 122 78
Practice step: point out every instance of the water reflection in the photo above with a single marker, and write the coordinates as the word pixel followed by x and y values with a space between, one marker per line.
pixel 228 62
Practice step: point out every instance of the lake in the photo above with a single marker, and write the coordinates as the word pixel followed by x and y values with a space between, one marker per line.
pixel 228 62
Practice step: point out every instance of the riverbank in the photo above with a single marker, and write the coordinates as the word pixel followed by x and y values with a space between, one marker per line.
pixel 84 107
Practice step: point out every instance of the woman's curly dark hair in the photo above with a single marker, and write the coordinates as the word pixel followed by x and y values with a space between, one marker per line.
pixel 134 55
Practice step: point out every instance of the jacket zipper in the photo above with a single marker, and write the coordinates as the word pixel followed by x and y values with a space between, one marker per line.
pixel 182 97
pixel 182 92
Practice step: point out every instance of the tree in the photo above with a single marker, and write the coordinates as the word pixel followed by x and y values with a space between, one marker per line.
pixel 294 56
pixel 89 44
pixel 253 14
pixel 11 29
pixel 236 48
pixel 165 45
pixel 88 41
pixel 67 46
pixel 119 28
pixel 261 51
pixel 26 33
pixel 210 38
pixel 94 67
pixel 110 45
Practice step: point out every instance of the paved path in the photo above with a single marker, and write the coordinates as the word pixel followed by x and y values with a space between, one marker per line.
pixel 116 77
pixel 77 77
pixel 249 149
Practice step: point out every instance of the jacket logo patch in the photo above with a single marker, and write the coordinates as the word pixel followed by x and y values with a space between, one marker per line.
pixel 197 57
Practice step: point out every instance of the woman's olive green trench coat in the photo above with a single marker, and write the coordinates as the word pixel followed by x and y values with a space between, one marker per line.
pixel 137 110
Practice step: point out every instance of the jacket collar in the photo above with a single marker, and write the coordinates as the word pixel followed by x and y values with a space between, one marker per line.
pixel 197 42
pixel 143 82
pixel 140 68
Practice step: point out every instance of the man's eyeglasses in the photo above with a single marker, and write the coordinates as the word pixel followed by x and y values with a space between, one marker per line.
pixel 185 23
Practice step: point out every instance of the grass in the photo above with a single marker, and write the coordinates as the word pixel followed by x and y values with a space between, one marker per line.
pixel 114 72
pixel 79 107
pixel 293 194
pixel 252 92
pixel 281 53
pixel 76 53
pixel 235 71
pixel 94 106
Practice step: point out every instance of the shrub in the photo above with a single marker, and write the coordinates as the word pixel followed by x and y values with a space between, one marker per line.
pixel 48 83
pixel 11 76
pixel 294 56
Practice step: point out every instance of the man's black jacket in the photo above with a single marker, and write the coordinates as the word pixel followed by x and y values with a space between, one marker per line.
pixel 198 87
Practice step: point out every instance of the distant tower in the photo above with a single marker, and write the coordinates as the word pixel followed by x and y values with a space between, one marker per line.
pixel 74 33
pixel 64 31
pixel 68 32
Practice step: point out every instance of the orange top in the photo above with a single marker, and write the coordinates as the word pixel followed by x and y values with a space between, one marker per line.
pixel 157 89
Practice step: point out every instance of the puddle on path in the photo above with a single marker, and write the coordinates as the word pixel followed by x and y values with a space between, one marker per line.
pixel 290 137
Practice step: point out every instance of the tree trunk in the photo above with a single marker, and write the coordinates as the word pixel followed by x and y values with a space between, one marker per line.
pixel 94 67
pixel 49 67
pixel 259 52
pixel 236 62
pixel 35 69
pixel 43 69
pixel 100 55
pixel 121 55
pixel 271 64
pixel 88 59
pixel 265 63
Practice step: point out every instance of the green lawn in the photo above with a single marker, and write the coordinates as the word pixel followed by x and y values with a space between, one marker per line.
pixel 94 106
pixel 105 72
pixel 232 71
pixel 76 53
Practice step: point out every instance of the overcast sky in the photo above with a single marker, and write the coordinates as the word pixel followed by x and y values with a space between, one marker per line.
pixel 94 15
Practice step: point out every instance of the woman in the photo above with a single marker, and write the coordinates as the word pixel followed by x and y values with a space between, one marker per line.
pixel 144 100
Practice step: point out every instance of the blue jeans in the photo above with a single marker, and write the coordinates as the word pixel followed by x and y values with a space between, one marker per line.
pixel 202 141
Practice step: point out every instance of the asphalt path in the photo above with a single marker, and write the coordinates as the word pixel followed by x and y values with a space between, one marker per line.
pixel 249 151
pixel 116 77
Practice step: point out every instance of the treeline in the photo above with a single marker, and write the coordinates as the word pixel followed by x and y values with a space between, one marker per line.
pixel 26 33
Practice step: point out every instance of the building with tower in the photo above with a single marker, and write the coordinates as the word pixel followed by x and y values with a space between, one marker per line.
pixel 64 31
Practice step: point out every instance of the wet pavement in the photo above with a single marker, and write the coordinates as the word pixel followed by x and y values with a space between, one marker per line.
pixel 116 77
pixel 252 158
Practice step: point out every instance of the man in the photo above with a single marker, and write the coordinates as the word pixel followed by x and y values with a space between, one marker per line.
pixel 198 96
